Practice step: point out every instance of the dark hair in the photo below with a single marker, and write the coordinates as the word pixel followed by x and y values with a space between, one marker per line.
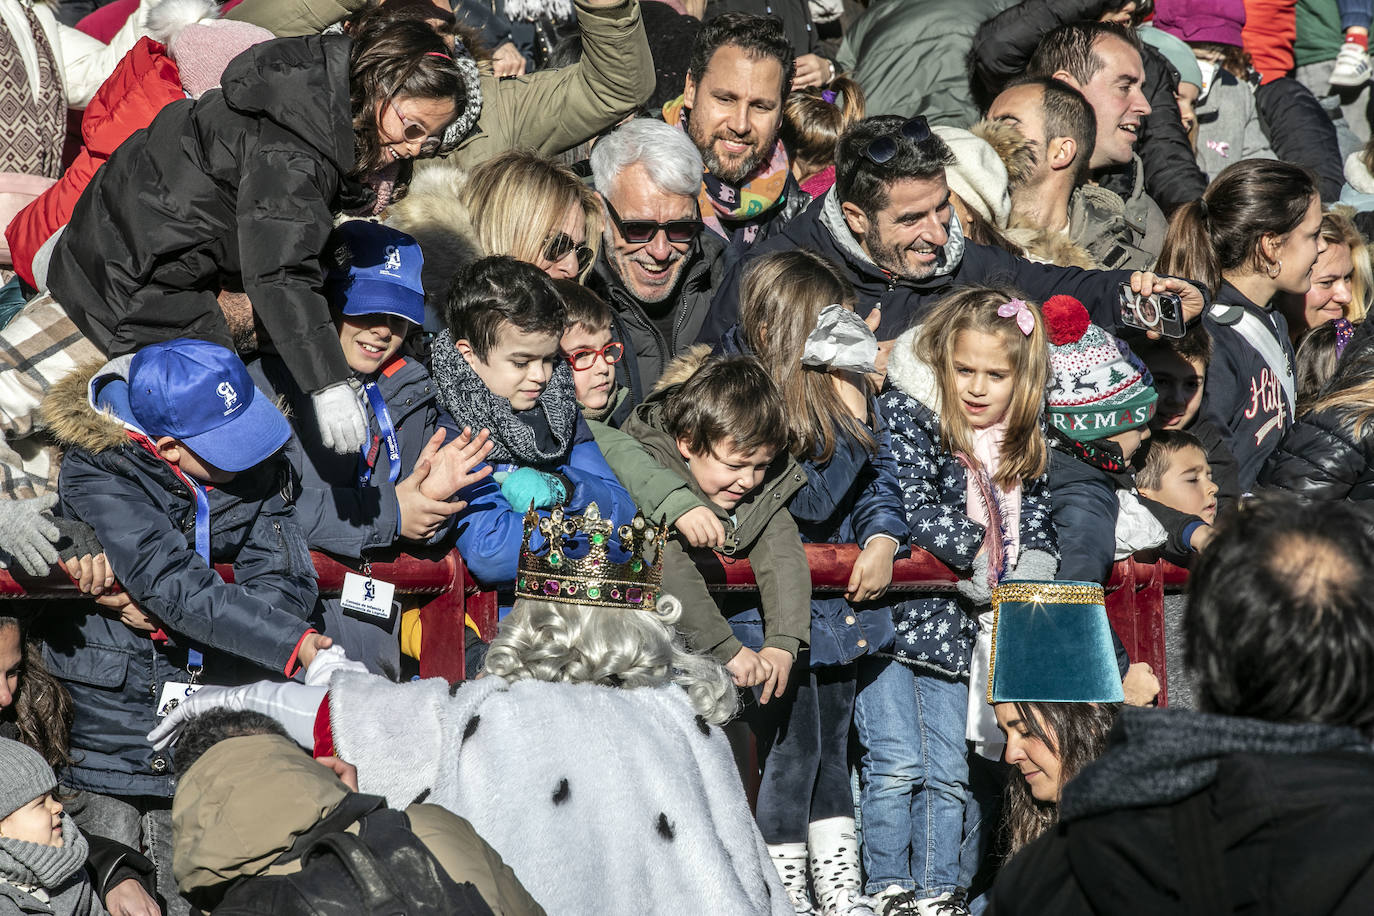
pixel 498 289
pixel 41 709
pixel 391 57
pixel 1067 113
pixel 1248 200
pixel 756 36
pixel 728 400
pixel 1315 364
pixel 1195 343
pixel 1073 49
pixel 1280 622
pixel 204 731
pixel 862 182
pixel 583 306
pixel 1156 452
pixel 1076 733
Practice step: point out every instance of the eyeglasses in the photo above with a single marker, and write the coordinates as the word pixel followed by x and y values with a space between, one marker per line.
pixel 560 245
pixel 881 149
pixel 414 131
pixel 584 359
pixel 643 231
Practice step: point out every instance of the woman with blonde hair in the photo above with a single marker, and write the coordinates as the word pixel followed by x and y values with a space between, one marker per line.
pixel 1340 280
pixel 812 121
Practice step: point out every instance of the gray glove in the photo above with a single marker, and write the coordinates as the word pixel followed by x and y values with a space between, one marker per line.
pixel 975 587
pixel 77 539
pixel 1034 564
pixel 340 416
pixel 27 533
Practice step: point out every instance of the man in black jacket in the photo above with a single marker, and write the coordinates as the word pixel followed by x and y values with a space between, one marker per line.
pixel 658 267
pixel 888 226
pixel 1260 804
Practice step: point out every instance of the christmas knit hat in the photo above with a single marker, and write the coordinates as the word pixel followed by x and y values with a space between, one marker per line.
pixel 1095 392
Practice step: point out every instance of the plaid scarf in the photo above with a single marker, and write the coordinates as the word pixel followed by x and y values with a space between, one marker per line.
pixel 762 190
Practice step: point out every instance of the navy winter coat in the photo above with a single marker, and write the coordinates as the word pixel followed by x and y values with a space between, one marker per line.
pixel 144 516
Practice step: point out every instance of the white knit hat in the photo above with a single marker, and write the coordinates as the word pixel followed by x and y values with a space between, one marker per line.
pixel 977 175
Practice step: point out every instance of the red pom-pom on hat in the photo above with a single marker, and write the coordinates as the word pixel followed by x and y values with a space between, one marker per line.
pixel 1065 319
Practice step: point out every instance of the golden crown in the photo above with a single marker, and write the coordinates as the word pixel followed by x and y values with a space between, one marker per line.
pixel 551 575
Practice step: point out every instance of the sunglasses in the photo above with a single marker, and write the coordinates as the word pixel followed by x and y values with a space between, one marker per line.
pixel 643 231
pixel 881 149
pixel 584 359
pixel 560 245
pixel 414 131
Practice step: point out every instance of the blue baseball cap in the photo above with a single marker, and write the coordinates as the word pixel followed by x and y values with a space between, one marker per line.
pixel 201 394
pixel 378 272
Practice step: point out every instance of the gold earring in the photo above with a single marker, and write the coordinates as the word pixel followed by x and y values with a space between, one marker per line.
pixel 1278 269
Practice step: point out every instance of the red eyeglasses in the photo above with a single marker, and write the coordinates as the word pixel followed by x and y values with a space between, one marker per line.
pixel 584 359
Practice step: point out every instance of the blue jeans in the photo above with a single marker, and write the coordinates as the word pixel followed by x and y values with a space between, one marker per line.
pixel 143 823
pixel 913 780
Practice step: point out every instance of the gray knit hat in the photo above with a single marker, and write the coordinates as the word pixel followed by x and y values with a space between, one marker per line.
pixel 24 775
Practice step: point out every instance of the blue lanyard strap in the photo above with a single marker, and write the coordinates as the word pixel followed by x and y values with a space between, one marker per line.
pixel 194 659
pixel 368 456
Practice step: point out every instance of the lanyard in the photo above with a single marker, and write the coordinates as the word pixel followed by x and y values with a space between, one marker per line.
pixel 195 661
pixel 368 456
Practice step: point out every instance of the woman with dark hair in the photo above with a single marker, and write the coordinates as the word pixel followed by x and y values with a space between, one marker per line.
pixel 1255 233
pixel 240 188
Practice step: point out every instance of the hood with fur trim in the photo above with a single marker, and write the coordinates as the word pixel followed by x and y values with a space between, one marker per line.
pixel 83 410
pixel 1011 146
pixel 433 214
pixel 1046 246
pixel 683 367
pixel 912 375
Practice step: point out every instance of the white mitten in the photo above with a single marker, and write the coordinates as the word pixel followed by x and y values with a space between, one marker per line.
pixel 293 705
pixel 328 661
pixel 343 424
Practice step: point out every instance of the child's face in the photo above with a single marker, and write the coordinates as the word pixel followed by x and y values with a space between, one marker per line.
pixel 725 474
pixel 174 452
pixel 982 377
pixel 1179 381
pixel 39 821
pixel 1186 485
pixel 518 367
pixel 593 384
pixel 370 341
pixel 1130 441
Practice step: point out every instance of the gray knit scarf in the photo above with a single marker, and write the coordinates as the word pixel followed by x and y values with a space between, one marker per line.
pixel 461 392
pixel 35 865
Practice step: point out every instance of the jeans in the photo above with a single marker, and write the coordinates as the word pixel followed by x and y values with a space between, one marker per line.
pixel 139 822
pixel 1354 13
pixel 803 743
pixel 914 777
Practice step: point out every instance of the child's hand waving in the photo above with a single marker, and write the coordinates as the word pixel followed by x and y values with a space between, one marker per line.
pixel 701 528
pixel 455 465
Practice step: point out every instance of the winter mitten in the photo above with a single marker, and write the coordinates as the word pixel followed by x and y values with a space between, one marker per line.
pixel 790 861
pixel 975 587
pixel 526 488
pixel 327 662
pixel 28 533
pixel 343 425
pixel 1034 564
pixel 293 705
pixel 834 850
pixel 77 539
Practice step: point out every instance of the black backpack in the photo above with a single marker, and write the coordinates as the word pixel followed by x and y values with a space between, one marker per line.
pixel 382 871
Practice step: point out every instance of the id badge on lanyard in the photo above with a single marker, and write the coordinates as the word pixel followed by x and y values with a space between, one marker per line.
pixel 174 692
pixel 367 458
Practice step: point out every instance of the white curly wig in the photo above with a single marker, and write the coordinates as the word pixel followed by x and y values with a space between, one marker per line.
pixel 582 644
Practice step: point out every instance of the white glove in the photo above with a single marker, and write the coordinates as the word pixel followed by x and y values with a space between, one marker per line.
pixel 293 705
pixel 343 425
pixel 328 661
pixel 28 534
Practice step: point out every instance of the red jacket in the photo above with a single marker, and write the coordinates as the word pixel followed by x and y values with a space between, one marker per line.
pixel 145 81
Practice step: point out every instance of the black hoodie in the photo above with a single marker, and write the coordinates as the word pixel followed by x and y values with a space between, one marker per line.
pixel 236 189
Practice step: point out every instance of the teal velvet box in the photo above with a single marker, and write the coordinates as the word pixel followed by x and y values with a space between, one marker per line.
pixel 1052 643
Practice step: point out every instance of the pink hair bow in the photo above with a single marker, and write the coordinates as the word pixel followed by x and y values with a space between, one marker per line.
pixel 1017 308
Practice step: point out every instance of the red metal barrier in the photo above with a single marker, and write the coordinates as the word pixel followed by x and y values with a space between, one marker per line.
pixel 1135 596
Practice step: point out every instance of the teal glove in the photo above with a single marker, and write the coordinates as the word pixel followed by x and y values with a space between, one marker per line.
pixel 525 488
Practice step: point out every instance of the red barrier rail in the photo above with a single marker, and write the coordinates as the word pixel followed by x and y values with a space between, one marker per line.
pixel 1135 595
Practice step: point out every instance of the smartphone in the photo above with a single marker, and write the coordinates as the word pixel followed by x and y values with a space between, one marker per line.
pixel 1161 312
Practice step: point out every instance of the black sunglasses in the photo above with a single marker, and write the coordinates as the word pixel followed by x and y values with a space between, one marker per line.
pixel 881 149
pixel 560 244
pixel 642 231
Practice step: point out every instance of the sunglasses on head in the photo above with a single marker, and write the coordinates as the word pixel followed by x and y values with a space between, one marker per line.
pixel 881 149
pixel 560 245
pixel 643 231
pixel 584 359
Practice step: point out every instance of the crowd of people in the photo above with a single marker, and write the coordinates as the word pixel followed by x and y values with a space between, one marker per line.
pixel 607 295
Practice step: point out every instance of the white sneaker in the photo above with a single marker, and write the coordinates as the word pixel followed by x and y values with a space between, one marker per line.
pixel 851 903
pixel 1352 66
pixel 949 904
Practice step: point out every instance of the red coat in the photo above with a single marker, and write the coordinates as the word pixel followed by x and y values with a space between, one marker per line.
pixel 145 81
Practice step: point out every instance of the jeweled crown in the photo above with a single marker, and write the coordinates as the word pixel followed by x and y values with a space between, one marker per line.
pixel 551 575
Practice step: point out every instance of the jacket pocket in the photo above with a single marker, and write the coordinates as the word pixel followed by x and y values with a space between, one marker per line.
pixel 92 665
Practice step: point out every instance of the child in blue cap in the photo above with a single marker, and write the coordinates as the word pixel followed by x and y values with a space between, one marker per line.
pixel 398 488
pixel 175 459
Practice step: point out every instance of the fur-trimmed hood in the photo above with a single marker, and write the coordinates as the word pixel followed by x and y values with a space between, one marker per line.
pixel 683 367
pixel 433 214
pixel 912 375
pixel 70 411
pixel 1011 147
pixel 1046 246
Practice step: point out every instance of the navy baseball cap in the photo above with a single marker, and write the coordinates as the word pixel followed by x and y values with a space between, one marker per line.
pixel 377 273
pixel 201 394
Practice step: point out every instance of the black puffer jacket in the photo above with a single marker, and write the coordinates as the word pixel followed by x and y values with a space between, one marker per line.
pixel 1321 457
pixel 1300 131
pixel 240 186
pixel 1004 45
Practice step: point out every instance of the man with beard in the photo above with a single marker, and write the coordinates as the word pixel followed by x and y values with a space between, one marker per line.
pixel 658 269
pixel 731 108
pixel 887 224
